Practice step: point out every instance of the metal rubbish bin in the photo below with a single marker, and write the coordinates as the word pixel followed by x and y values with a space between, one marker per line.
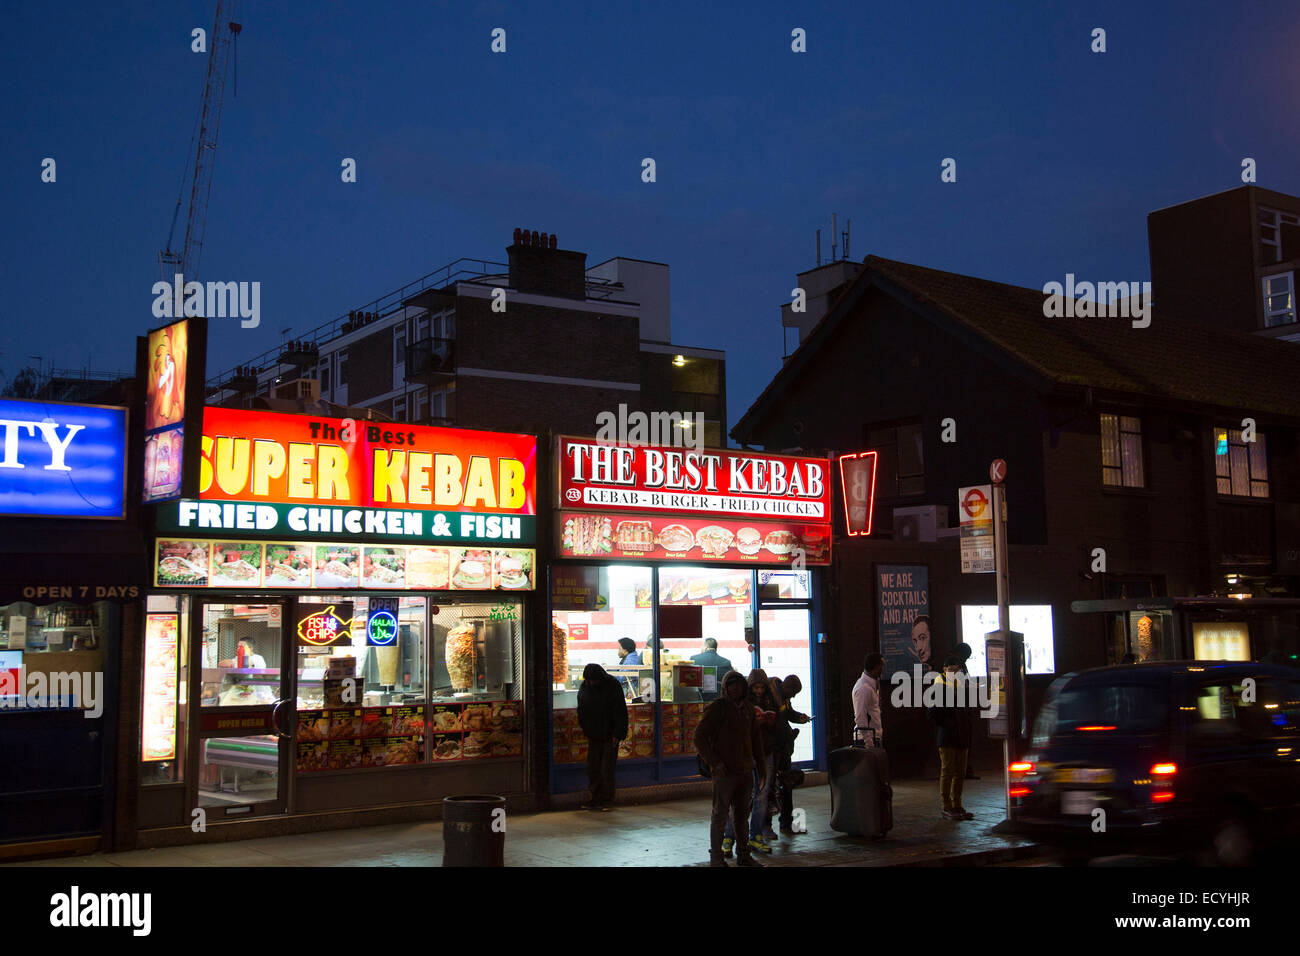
pixel 473 831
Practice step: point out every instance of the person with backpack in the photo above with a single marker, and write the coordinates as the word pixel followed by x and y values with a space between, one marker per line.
pixel 952 721
pixel 764 706
pixel 783 740
pixel 602 713
pixel 730 743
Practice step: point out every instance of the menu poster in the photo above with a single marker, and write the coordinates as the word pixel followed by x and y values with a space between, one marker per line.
pixel 408 721
pixel 446 718
pixel 579 588
pixel 392 751
pixel 200 563
pixel 655 537
pixel 377 722
pixel 312 755
pixel 313 725
pixel 158 724
pixel 719 587
pixel 345 754
pixel 182 563
pixel 446 746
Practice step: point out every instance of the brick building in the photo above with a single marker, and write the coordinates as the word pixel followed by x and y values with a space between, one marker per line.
pixel 1125 439
pixel 540 342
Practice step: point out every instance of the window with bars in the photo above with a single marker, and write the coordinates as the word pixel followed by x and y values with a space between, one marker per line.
pixel 1121 451
pixel 900 461
pixel 1279 299
pixel 1240 466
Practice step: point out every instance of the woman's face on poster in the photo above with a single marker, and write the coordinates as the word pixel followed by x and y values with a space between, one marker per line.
pixel 921 640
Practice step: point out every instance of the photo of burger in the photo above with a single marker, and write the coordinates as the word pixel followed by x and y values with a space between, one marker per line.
pixel 513 569
pixel 748 541
pixel 699 589
pixel 428 568
pixel 473 570
pixel 477 745
pixel 739 585
pixel 780 543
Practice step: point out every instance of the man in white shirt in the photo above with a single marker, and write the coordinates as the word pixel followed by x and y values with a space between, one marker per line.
pixel 866 702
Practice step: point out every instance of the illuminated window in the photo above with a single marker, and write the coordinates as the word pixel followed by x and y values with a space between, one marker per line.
pixel 1279 299
pixel 1241 467
pixel 1121 451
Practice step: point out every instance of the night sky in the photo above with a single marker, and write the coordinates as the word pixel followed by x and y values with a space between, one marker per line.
pixel 1060 152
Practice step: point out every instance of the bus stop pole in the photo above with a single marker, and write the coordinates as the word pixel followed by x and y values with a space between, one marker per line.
pixel 1004 625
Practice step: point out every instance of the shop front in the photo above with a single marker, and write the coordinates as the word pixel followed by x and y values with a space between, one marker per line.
pixel 337 622
pixel 71 584
pixel 672 567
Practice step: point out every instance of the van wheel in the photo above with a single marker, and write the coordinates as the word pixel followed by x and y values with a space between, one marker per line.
pixel 1233 843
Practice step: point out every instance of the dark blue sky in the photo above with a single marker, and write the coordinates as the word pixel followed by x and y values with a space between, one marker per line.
pixel 1061 152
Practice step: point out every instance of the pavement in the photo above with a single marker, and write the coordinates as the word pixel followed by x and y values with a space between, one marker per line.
pixel 662 833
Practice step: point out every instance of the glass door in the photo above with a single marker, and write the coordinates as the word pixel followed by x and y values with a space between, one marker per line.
pixel 785 649
pixel 241 739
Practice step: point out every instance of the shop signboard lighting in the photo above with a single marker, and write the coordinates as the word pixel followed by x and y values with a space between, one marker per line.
pixel 606 476
pixel 61 460
pixel 326 626
pixel 858 484
pixel 381 622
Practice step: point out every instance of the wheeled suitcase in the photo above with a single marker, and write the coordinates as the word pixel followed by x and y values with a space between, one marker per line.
pixel 862 801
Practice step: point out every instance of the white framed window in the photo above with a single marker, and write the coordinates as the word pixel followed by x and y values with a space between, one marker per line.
pixel 438 405
pixel 422 327
pixel 1121 451
pixel 1271 222
pixel 399 344
pixel 343 368
pixel 1279 299
pixel 399 408
pixel 1240 466
pixel 421 401
pixel 323 373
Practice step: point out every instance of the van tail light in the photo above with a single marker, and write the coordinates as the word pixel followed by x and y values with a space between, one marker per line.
pixel 1095 727
pixel 1161 796
pixel 1019 791
pixel 1022 766
pixel 1164 770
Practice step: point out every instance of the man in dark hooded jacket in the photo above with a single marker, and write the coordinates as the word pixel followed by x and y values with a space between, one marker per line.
pixel 602 712
pixel 729 740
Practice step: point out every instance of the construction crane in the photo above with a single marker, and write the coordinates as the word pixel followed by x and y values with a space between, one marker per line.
pixel 186 261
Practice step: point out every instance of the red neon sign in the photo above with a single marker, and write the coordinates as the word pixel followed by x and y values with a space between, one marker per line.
pixel 858 482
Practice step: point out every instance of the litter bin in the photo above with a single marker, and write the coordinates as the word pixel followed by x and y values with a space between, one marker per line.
pixel 473 832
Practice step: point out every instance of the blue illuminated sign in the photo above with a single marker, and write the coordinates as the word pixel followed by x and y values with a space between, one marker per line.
pixel 381 622
pixel 60 460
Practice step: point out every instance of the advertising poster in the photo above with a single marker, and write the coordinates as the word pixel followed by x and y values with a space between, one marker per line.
pixel 903 599
pixel 579 588
pixel 158 725
pixel 167 353
pixel 1032 621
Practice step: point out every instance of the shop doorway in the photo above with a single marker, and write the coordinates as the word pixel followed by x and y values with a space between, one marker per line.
pixel 785 648
pixel 244 703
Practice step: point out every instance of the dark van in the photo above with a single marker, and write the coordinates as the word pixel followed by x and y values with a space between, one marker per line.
pixel 1195 758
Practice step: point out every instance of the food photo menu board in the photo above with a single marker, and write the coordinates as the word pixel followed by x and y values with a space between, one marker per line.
pixel 209 563
pixel 654 537
pixel 158 725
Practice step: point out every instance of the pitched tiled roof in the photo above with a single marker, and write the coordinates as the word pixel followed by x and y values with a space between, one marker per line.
pixel 1171 360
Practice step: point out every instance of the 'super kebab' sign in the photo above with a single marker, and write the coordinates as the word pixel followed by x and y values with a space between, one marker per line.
pixel 304 474
pixel 603 476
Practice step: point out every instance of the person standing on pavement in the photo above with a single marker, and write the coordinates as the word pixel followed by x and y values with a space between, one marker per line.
pixel 783 691
pixel 729 740
pixel 964 653
pixel 867 725
pixel 764 706
pixel 602 712
pixel 953 723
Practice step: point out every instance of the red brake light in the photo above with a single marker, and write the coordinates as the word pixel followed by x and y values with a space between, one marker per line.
pixel 1096 727
pixel 1164 770
pixel 1019 792
pixel 1162 796
pixel 1023 766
